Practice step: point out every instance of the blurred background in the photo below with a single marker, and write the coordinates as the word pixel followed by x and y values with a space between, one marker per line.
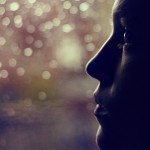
pixel 46 100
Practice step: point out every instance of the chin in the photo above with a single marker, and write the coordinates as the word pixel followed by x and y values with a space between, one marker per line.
pixel 104 140
pixel 108 140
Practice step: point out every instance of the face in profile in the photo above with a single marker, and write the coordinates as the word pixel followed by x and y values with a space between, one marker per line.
pixel 122 67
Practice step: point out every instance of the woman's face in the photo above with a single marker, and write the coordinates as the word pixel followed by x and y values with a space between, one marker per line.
pixel 122 66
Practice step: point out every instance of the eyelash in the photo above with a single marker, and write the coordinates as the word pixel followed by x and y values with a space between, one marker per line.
pixel 127 38
pixel 122 40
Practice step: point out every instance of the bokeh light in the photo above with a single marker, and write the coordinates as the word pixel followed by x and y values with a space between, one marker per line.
pixel 44 89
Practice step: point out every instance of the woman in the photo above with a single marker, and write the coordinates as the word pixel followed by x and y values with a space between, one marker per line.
pixel 122 66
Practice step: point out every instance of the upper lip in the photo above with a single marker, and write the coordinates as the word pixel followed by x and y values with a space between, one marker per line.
pixel 100 109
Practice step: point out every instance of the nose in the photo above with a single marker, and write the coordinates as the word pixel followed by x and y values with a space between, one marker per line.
pixel 104 64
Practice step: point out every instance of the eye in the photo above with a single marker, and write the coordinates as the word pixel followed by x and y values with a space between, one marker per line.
pixel 128 36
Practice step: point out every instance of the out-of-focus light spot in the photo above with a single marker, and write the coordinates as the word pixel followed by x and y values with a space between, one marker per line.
pixel 20 71
pixel 42 95
pixel 31 1
pixel 46 75
pixel 28 102
pixel 48 25
pixel 90 47
pixel 2 1
pixel 2 10
pixel 6 21
pixel 47 8
pixel 88 38
pixel 29 39
pixel 53 64
pixel 15 48
pixel 12 62
pixel 73 10
pixel 14 6
pixel 69 53
pixel 67 28
pixel 0 64
pixel 30 28
pixel 18 21
pixel 3 73
pixel 56 22
pixel 97 28
pixel 84 6
pixel 66 5
pixel 38 12
pixel 38 43
pixel 2 41
pixel 28 52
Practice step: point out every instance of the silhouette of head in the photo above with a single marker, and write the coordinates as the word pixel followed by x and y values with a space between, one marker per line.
pixel 122 67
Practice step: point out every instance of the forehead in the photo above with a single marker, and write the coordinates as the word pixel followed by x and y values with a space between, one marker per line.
pixel 121 6
pixel 135 11
pixel 136 14
pixel 116 5
pixel 132 7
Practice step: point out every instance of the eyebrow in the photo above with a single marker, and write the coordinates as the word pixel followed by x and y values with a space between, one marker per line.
pixel 123 22
pixel 119 17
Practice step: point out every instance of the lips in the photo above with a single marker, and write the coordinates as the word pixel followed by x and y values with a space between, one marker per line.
pixel 100 111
